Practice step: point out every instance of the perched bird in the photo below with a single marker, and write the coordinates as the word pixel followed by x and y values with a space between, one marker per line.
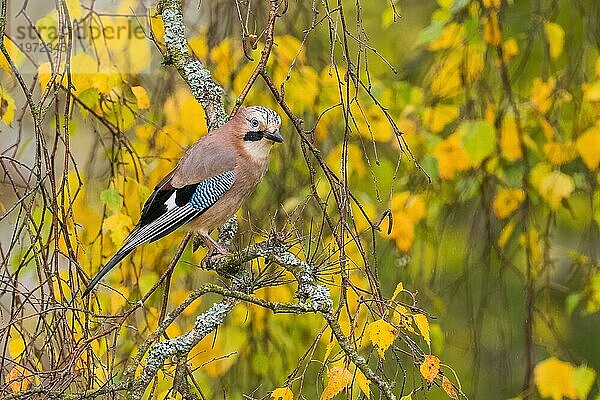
pixel 208 185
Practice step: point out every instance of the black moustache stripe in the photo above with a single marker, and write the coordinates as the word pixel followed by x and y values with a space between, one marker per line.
pixel 253 136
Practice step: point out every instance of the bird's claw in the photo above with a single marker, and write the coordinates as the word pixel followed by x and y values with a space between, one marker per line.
pixel 214 254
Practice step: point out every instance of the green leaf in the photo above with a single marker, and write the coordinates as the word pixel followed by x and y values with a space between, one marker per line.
pixel 121 116
pixel 89 100
pixel 112 199
pixel 388 17
pixel 48 27
pixel 430 165
pixel 596 206
pixel 571 302
pixel 478 139
pixel 146 281
pixel 430 33
pixel 583 379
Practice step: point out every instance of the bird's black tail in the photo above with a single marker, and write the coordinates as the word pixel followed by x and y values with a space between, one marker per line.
pixel 121 254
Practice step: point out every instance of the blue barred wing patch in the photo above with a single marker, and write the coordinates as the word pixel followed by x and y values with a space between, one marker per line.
pixel 209 191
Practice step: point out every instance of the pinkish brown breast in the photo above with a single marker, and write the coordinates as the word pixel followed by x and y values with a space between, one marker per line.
pixel 247 177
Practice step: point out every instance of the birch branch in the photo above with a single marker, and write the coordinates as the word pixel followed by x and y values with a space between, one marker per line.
pixel 206 91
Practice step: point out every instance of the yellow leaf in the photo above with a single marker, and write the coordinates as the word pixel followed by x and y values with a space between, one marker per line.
pixel 449 388
pixel 510 145
pixel 47 26
pixel 403 232
pixel 553 186
pixel 143 102
pixel 547 128
pixel 354 163
pixel 283 393
pixel 7 106
pixel 224 57
pixel 446 80
pixel 337 379
pixel 137 54
pixel 556 38
pixel 403 318
pixel 117 225
pixel 18 379
pixel 506 233
pixel 451 156
pixel 287 49
pixel 16 346
pixel 591 91
pixel 437 117
pixel 506 201
pixel 423 325
pixel 156 24
pixel 560 153
pixel 399 288
pixel 491 29
pixel 388 17
pixel 15 53
pixel 490 113
pixel 75 9
pixel 510 49
pixel 588 146
pixel 473 62
pixel 199 46
pixel 44 74
pixel 330 347
pixel 583 379
pixel 381 334
pixel 179 109
pixel 554 378
pixel 144 132
pixel 301 91
pixel 412 204
pixel 494 4
pixel 540 94
pixel 531 239
pixel 409 128
pixel 452 36
pixel 408 209
pixel 430 368
pixel 363 383
pixel 83 72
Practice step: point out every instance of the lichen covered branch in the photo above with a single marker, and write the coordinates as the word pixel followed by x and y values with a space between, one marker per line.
pixel 208 92
pixel 181 345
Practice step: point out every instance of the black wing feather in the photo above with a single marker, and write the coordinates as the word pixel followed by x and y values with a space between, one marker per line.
pixel 155 206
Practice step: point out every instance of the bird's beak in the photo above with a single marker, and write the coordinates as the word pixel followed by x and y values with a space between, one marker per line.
pixel 275 136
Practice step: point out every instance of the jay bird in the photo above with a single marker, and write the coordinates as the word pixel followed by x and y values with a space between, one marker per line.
pixel 209 184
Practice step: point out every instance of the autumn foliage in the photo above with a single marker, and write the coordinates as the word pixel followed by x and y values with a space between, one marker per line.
pixel 440 174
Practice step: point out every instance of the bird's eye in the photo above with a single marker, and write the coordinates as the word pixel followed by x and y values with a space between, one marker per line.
pixel 254 123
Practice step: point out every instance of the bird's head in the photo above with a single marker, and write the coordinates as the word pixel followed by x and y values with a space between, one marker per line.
pixel 260 129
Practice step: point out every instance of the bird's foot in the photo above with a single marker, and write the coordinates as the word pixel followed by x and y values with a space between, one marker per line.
pixel 216 252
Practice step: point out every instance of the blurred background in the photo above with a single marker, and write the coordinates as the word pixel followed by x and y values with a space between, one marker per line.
pixel 494 206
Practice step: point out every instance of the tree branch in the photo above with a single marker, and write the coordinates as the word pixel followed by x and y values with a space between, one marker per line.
pixel 206 91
